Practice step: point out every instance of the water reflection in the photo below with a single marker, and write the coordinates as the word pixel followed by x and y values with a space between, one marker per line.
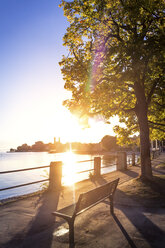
pixel 14 161
pixel 71 167
pixel 108 160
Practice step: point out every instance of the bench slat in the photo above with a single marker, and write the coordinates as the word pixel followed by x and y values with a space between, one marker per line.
pixel 94 196
pixel 66 212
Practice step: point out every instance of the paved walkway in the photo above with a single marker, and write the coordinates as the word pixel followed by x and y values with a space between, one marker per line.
pixel 28 223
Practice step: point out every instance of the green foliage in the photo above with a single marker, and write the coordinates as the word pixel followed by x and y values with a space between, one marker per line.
pixel 116 62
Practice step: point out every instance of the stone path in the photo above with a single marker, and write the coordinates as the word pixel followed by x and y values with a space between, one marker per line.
pixel 29 223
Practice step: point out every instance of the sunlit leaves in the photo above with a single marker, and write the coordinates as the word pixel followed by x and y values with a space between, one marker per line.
pixel 116 62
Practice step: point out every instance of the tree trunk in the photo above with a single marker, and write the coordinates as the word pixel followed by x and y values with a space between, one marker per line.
pixel 146 169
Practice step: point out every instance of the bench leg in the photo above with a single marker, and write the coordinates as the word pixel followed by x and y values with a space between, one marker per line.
pixel 71 233
pixel 111 205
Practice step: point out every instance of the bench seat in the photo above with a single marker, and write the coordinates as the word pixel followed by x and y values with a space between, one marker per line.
pixel 66 212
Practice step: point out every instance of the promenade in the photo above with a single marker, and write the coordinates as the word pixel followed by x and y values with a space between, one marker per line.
pixel 28 223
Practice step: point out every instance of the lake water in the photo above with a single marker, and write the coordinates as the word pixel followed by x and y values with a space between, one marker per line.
pixel 15 161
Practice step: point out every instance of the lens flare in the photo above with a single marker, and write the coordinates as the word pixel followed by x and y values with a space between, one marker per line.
pixel 69 168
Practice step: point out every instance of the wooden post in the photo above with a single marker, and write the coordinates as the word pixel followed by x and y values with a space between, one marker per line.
pixel 152 145
pixel 153 154
pixel 133 159
pixel 97 166
pixel 55 176
pixel 121 161
pixel 159 146
pixel 156 146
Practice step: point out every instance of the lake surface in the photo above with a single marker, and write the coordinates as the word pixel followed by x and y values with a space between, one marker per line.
pixel 15 161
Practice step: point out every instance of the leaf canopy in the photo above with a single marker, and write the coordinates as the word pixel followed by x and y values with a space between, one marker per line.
pixel 115 64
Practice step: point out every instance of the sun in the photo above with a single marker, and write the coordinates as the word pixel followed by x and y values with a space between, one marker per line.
pixel 69 128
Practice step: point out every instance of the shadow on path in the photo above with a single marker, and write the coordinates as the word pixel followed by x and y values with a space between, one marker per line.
pixel 130 173
pixel 130 241
pixel 148 230
pixel 158 171
pixel 101 180
pixel 39 232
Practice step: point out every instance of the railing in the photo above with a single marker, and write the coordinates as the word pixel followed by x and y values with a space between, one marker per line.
pixel 24 184
pixel 55 171
pixel 155 153
pixel 35 168
pixel 83 161
pixel 43 180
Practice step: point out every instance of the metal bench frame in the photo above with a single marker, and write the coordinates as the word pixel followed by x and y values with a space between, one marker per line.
pixel 100 193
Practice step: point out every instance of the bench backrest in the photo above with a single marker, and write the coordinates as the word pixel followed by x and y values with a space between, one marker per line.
pixel 92 197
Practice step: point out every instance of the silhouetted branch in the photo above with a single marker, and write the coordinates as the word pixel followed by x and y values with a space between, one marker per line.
pixel 155 123
pixel 152 91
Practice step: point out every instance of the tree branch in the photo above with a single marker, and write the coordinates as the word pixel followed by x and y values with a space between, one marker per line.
pixel 145 68
pixel 152 91
pixel 76 57
pixel 106 40
pixel 155 123
pixel 162 130
pixel 152 13
pixel 160 105
pixel 129 110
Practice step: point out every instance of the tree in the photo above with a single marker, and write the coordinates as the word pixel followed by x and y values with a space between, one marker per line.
pixel 115 65
pixel 23 148
pixel 39 146
pixel 108 142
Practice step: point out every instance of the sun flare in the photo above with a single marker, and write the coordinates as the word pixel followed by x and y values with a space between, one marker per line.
pixel 69 168
pixel 70 129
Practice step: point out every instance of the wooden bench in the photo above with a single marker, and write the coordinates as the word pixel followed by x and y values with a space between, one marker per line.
pixel 85 201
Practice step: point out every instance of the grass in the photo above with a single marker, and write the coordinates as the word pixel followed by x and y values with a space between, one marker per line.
pixel 147 193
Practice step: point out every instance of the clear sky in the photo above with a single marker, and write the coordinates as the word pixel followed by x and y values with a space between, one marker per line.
pixel 31 85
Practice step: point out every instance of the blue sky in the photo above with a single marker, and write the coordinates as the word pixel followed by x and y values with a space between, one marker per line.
pixel 31 85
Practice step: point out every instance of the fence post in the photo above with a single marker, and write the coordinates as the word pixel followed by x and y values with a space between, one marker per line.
pixel 153 154
pixel 121 161
pixel 133 159
pixel 55 175
pixel 97 166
